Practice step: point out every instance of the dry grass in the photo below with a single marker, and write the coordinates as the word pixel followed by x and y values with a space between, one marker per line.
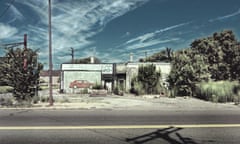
pixel 220 91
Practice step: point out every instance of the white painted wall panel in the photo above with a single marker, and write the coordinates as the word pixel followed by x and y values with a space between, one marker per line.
pixel 70 76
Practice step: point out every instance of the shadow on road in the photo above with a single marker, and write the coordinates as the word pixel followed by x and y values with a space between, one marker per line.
pixel 162 134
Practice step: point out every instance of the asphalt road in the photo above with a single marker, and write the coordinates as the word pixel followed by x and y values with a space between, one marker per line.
pixel 112 126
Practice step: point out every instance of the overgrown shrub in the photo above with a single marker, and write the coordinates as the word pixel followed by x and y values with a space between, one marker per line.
pixel 219 91
pixel 148 81
pixel 118 91
pixel 236 91
pixel 137 88
pixel 159 89
pixel 7 101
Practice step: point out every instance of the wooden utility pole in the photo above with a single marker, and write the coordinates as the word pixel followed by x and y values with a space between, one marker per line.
pixel 145 56
pixel 50 53
pixel 25 42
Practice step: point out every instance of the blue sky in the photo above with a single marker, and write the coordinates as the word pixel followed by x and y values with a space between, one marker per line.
pixel 112 29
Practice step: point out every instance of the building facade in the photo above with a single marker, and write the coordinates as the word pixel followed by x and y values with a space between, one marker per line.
pixel 101 74
pixel 109 75
pixel 44 76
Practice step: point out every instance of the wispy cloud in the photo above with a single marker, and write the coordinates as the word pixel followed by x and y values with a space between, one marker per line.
pixel 172 27
pixel 152 38
pixel 151 35
pixel 79 22
pixel 75 22
pixel 7 31
pixel 40 7
pixel 16 13
pixel 144 44
pixel 225 16
pixel 142 38
pixel 149 42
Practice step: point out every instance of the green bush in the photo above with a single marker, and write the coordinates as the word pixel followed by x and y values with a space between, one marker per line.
pixel 220 91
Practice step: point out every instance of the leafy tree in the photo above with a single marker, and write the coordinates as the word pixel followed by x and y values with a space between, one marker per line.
pixel 220 52
pixel 20 70
pixel 212 58
pixel 182 76
pixel 235 64
pixel 148 79
pixel 162 56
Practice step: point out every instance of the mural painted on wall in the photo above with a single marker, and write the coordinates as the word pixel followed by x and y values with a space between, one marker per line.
pixel 81 84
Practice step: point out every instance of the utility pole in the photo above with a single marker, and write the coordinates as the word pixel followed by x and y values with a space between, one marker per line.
pixel 37 81
pixel 25 42
pixel 72 54
pixel 50 53
pixel 145 56
pixel 12 45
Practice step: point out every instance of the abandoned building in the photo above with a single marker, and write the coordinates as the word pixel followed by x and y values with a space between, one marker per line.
pixel 108 75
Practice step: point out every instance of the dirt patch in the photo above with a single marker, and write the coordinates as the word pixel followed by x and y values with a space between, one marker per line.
pixel 130 102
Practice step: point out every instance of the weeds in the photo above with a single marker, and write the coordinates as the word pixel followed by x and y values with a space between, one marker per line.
pixel 137 89
pixel 220 91
pixel 7 101
pixel 118 91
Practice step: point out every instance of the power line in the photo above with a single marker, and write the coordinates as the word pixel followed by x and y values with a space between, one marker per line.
pixel 4 12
